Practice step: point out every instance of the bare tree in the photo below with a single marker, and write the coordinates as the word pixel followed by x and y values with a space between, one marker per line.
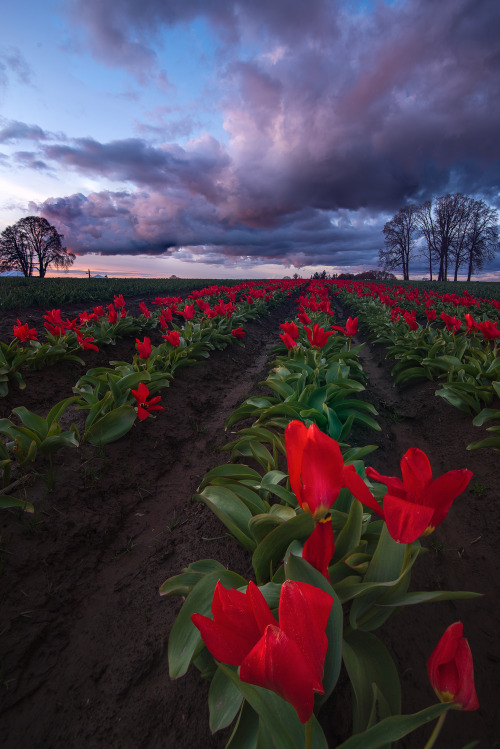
pixel 400 234
pixel 482 237
pixel 33 244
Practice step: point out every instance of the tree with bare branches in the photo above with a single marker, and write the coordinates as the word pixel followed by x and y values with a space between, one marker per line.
pixel 31 245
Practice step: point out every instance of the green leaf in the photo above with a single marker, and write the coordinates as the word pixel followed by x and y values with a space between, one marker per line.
pixel 368 662
pixel 231 511
pixel 261 525
pixel 112 426
pixel 236 472
pixel 279 717
pixel 271 549
pixel 32 421
pixel 350 535
pixel 184 637
pixel 246 730
pixel 394 728
pixel 224 701
pixel 6 501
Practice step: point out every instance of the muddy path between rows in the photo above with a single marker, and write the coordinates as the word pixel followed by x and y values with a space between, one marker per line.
pixel 84 632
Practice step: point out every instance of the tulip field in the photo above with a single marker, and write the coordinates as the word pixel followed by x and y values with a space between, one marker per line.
pixel 254 515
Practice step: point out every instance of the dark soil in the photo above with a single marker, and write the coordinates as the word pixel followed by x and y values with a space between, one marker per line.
pixel 84 631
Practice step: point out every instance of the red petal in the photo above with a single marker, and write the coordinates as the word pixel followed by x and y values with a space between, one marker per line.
pixel 359 489
pixel 321 474
pixel 276 663
pixel 319 547
pixel 393 484
pixel 444 490
pixel 303 615
pixel 406 521
pixel 226 643
pixel 295 440
pixel 417 474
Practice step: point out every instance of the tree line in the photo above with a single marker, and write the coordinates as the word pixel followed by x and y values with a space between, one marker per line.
pixel 454 231
pixel 31 245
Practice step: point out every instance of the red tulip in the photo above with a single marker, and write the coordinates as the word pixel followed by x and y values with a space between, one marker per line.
pixel 112 316
pixel 291 329
pixel 452 323
pixel 119 301
pixel 451 671
pixel 431 314
pixel 287 658
pixel 173 338
pixel 319 547
pixel 24 332
pixel 238 332
pixel 144 349
pixel 288 340
pixel 417 504
pixel 317 337
pixel 351 326
pixel 86 343
pixel 143 405
pixel 316 469
pixel 144 310
pixel 304 317
pixel 489 329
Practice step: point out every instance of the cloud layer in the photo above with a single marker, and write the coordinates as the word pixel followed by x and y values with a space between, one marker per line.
pixel 334 119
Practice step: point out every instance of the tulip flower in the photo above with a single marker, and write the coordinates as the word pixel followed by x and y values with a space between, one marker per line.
pixel 173 338
pixel 316 469
pixel 144 349
pixel 350 329
pixel 86 343
pixel 291 329
pixel 238 332
pixel 24 332
pixel 143 405
pixel 451 671
pixel 187 312
pixel 317 337
pixel 288 340
pixel 452 323
pixel 287 658
pixel 319 547
pixel 417 504
pixel 119 301
pixel 489 329
pixel 112 316
pixel 144 310
pixel 430 314
pixel 304 317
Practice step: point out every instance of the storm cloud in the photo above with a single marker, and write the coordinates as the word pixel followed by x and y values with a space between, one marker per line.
pixel 335 116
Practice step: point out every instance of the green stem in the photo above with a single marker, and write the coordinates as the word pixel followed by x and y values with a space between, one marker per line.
pixel 309 733
pixel 436 731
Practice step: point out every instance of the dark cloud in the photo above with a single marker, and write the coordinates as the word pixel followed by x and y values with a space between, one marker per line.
pixel 339 120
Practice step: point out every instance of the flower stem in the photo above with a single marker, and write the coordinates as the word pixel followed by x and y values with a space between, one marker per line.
pixel 436 731
pixel 309 733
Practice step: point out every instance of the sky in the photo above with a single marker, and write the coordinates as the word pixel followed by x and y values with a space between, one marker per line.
pixel 243 138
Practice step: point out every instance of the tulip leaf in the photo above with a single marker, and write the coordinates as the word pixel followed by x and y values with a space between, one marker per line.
pixel 236 472
pixel 224 701
pixel 185 638
pixel 231 511
pixel 246 730
pixel 350 535
pixel 409 599
pixel 278 717
pixel 272 548
pixel 6 502
pixel 394 728
pixel 112 426
pixel 298 569
pixel 261 525
pixel 32 421
pixel 368 662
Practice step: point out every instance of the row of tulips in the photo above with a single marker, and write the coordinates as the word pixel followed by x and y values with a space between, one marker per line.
pixel 459 350
pixel 115 397
pixel 332 543
pixel 67 339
